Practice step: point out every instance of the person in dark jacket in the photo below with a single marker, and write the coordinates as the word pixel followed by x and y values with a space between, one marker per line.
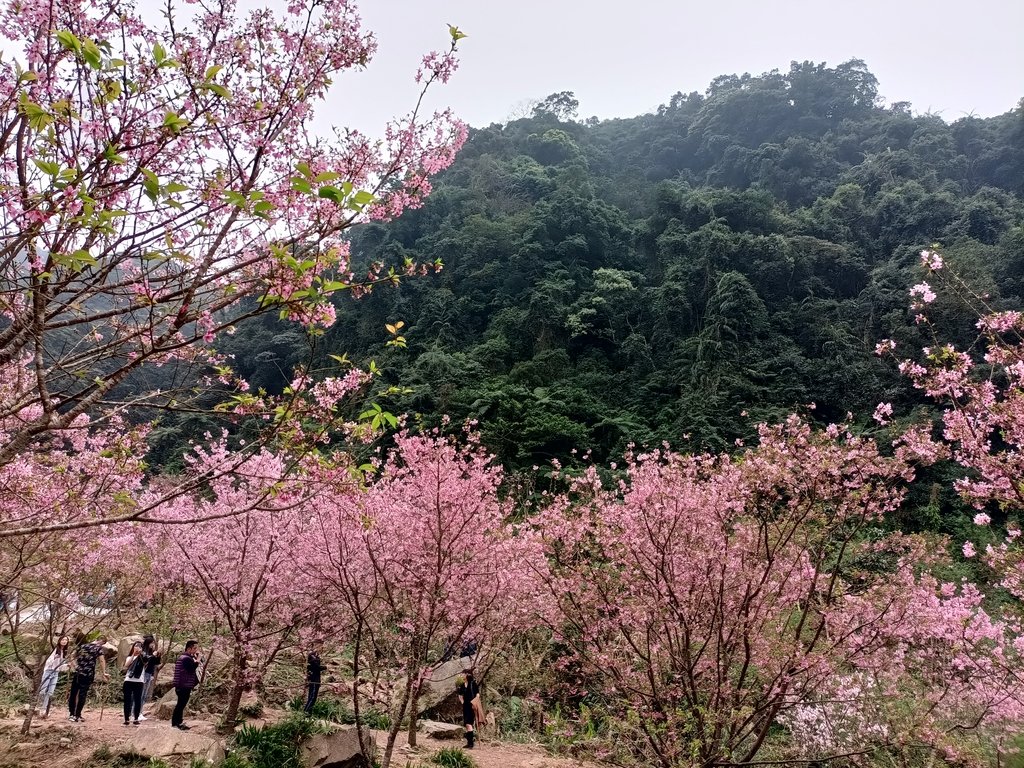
pixel 467 691
pixel 186 678
pixel 314 669
pixel 153 663
pixel 85 672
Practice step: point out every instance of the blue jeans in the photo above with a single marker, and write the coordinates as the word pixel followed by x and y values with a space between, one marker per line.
pixel 47 687
pixel 147 686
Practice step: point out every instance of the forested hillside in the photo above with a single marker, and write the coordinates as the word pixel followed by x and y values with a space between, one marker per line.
pixel 678 276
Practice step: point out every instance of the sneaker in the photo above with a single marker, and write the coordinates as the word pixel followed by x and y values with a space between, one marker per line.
pixel 135 722
pixel 183 727
pixel 126 723
pixel 72 719
pixel 141 718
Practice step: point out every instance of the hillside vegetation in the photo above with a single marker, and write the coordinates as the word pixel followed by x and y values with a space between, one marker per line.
pixel 678 276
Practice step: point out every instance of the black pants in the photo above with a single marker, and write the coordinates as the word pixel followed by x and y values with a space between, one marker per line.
pixel 132 700
pixel 179 709
pixel 79 691
pixel 311 694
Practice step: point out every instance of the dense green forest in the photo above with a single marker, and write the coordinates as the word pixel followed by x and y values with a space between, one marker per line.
pixel 677 276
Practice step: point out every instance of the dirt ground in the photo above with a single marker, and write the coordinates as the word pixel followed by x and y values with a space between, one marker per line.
pixel 57 743
pixel 487 753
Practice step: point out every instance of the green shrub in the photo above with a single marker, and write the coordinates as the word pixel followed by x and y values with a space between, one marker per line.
pixel 275 746
pixel 452 757
pixel 325 709
pixel 375 719
pixel 104 757
pixel 236 759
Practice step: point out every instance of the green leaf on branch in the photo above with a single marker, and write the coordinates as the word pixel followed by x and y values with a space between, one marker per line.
pixel 91 54
pixel 299 184
pixel 150 184
pixel 68 41
pixel 456 33
pixel 219 90
pixel 333 194
pixel 175 123
pixel 363 198
pixel 38 118
pixel 236 199
pixel 50 169
pixel 263 208
pixel 111 89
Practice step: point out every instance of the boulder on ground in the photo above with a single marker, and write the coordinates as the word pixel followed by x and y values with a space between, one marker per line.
pixel 170 742
pixel 165 705
pixel 339 749
pixel 441 683
pixel 435 730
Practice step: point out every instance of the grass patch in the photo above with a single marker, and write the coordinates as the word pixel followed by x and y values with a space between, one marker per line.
pixel 452 757
pixel 272 746
pixel 325 709
pixel 104 757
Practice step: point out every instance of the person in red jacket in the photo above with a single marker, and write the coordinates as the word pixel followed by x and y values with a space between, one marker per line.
pixel 186 678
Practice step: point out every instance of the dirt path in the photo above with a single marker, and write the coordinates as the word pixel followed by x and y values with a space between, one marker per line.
pixel 486 754
pixel 57 743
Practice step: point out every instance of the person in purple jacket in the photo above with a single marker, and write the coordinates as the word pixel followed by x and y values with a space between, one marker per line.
pixel 186 677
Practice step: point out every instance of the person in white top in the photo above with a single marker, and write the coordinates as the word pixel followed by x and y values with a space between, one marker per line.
pixel 134 680
pixel 55 662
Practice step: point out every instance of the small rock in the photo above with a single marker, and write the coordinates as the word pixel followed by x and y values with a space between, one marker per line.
pixel 436 730
pixel 65 742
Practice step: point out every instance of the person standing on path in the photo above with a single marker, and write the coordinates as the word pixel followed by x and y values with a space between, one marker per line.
pixel 467 691
pixel 186 678
pixel 59 659
pixel 85 673
pixel 314 670
pixel 153 662
pixel 134 680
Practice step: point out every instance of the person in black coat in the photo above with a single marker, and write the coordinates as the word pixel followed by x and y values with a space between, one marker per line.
pixel 314 670
pixel 467 691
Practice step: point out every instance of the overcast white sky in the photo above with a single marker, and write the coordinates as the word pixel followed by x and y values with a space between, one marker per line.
pixel 623 58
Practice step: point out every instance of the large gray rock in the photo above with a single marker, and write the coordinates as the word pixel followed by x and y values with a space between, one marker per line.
pixel 441 683
pixel 164 708
pixel 166 742
pixel 339 749
pixel 436 730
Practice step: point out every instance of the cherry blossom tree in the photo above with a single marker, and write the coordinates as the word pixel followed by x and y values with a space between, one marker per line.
pixel 707 598
pixel 161 181
pixel 238 568
pixel 47 578
pixel 423 559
